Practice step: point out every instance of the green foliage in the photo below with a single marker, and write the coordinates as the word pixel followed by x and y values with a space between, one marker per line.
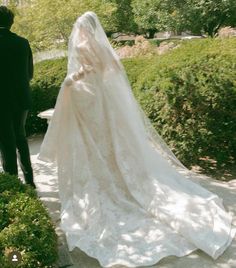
pixel 205 16
pixel 25 226
pixel 190 96
pixel 146 15
pixel 48 24
pixel 45 87
pixel 123 17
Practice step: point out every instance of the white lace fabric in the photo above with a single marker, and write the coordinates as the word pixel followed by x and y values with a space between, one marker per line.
pixel 123 201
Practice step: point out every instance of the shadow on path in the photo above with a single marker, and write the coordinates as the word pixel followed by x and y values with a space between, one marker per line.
pixel 47 188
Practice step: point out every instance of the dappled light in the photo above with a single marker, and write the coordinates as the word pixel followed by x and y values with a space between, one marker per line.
pixel 46 181
pixel 137 164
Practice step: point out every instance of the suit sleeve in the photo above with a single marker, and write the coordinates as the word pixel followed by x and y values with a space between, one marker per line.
pixel 30 64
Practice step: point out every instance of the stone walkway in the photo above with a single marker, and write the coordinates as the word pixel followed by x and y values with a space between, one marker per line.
pixel 47 188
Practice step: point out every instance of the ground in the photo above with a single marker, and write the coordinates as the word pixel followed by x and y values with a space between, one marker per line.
pixel 47 189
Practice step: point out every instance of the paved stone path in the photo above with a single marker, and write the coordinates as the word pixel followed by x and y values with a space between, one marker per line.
pixel 47 188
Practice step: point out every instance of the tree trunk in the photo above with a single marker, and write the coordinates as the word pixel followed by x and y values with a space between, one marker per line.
pixel 151 33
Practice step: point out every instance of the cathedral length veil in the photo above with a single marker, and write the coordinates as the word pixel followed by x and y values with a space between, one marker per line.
pixel 122 199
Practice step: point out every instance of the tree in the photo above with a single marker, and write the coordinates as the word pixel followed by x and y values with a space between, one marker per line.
pixel 200 16
pixel 47 24
pixel 209 15
pixel 123 17
pixel 197 16
pixel 146 15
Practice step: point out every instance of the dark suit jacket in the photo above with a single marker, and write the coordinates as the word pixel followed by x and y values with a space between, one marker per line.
pixel 16 71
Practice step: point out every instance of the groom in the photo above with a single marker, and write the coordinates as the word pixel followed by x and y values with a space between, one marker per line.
pixel 16 70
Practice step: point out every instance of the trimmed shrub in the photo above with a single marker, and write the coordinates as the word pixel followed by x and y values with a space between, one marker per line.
pixel 48 76
pixel 189 94
pixel 25 226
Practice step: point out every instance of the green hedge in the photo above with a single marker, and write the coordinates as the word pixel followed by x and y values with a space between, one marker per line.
pixel 25 226
pixel 48 76
pixel 190 96
pixel 188 93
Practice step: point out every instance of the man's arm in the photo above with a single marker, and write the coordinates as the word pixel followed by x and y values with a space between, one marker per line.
pixel 31 64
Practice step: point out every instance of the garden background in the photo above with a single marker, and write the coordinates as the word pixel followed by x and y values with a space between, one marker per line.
pixel 187 87
pixel 189 93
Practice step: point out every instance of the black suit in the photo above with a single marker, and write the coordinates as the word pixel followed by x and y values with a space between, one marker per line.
pixel 16 71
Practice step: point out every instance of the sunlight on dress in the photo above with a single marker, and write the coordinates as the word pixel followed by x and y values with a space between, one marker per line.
pixel 123 199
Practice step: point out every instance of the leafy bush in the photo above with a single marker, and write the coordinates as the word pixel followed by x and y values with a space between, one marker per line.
pixel 157 42
pixel 189 94
pixel 122 43
pixel 25 226
pixel 48 77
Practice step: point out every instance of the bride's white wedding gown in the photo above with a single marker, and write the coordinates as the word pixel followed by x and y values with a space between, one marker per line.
pixel 122 199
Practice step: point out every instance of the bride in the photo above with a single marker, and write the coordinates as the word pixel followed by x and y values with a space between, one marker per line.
pixel 123 198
